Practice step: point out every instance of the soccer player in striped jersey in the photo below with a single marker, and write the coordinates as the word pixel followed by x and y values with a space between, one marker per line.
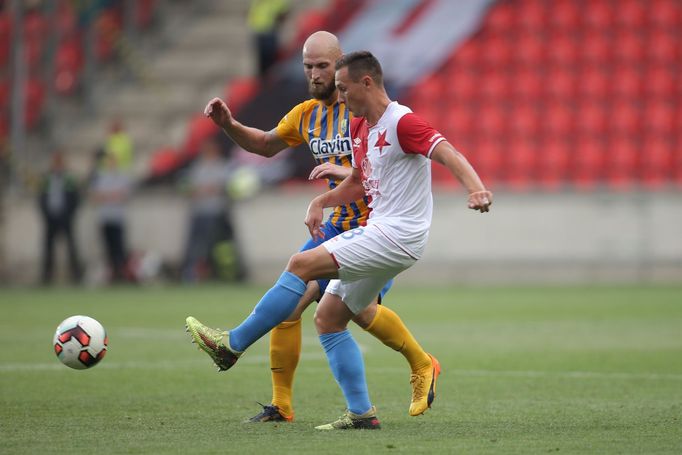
pixel 324 123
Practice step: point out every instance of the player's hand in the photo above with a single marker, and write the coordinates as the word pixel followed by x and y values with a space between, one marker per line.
pixel 481 200
pixel 217 110
pixel 329 170
pixel 313 219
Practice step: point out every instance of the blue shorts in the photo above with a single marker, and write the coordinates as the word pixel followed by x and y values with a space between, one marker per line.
pixel 330 231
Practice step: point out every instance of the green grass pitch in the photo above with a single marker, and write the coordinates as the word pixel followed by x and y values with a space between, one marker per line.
pixel 525 370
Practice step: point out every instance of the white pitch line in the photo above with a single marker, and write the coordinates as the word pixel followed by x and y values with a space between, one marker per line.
pixel 263 359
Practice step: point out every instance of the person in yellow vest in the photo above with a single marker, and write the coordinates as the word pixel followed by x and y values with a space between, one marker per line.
pixel 265 19
pixel 120 146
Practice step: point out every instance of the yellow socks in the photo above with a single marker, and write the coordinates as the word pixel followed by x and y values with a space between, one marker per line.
pixel 285 351
pixel 389 328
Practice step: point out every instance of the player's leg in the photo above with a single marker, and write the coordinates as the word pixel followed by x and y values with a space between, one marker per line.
pixel 346 363
pixel 388 327
pixel 285 352
pixel 276 305
pixel 285 345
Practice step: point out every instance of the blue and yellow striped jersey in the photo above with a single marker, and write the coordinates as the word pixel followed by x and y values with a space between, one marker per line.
pixel 326 129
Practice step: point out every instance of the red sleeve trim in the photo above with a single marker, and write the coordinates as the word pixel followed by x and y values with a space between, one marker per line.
pixel 416 135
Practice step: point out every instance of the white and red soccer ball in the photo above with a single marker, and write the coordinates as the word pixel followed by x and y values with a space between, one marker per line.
pixel 80 342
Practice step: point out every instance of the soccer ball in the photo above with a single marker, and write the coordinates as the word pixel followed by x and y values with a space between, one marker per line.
pixel 80 342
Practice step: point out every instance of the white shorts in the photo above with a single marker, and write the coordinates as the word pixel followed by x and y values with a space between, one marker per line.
pixel 366 259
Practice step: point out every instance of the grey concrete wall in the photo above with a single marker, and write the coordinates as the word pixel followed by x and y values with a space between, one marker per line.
pixel 531 238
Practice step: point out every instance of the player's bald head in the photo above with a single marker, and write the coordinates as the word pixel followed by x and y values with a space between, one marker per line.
pixel 322 43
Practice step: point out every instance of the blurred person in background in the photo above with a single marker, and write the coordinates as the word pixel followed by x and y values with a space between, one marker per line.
pixel 324 124
pixel 58 200
pixel 265 21
pixel 119 145
pixel 211 247
pixel 111 190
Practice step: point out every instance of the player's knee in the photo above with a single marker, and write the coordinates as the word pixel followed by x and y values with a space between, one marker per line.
pixel 323 324
pixel 365 318
pixel 300 266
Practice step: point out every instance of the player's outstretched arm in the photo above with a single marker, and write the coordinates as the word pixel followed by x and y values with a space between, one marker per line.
pixel 253 140
pixel 479 198
pixel 349 190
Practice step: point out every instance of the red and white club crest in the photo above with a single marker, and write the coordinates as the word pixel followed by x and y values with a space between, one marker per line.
pixel 381 141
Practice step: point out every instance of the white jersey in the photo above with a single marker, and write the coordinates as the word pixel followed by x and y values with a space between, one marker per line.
pixel 396 173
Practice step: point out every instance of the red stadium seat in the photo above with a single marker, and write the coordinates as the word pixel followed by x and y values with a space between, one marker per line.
pixel 659 117
pixel 520 163
pixel 600 16
pixel 144 13
pixel 67 22
pixel 491 119
pixel 557 120
pixel 662 81
pixel 627 82
pixel 591 118
pixel 565 15
pixel 35 98
pixel 308 22
pixel 552 163
pixel 631 14
pixel 564 50
pixel 656 162
pixel 630 47
pixel 239 91
pixel 624 118
pixel 108 26
pixel 663 46
pixel 621 162
pixel 527 84
pixel 501 18
pixel 462 84
pixel 596 46
pixel 35 32
pixel 665 13
pixel 497 51
pixel 561 83
pixel 525 120
pixel 486 156
pixel 588 161
pixel 531 14
pixel 493 85
pixel 5 89
pixel 530 48
pixel 69 62
pixel 461 122
pixel 5 38
pixel 467 56
pixel 163 161
pixel 430 90
pixel 594 82
pixel 199 129
pixel 4 125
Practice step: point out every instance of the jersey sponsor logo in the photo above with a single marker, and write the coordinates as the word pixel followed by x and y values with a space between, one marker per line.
pixel 356 142
pixel 340 145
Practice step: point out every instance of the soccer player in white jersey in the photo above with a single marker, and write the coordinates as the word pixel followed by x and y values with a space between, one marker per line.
pixel 391 152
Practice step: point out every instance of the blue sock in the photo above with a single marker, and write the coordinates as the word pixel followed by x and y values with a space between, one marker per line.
pixel 274 307
pixel 348 368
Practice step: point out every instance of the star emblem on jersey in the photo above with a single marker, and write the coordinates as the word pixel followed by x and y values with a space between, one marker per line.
pixel 381 141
